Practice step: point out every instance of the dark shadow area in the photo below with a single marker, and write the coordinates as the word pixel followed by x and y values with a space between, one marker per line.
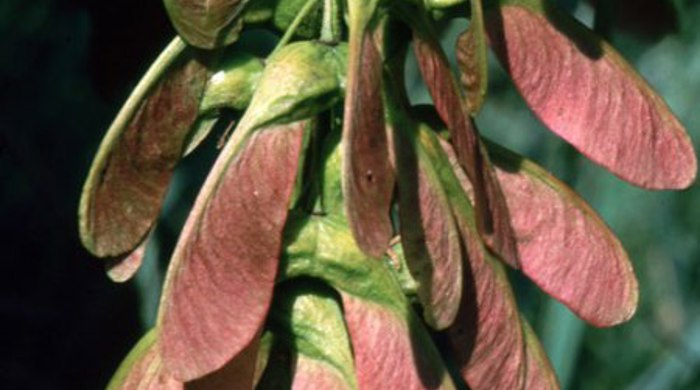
pixel 278 372
pixel 124 38
pixel 588 43
pixel 430 369
pixel 65 69
pixel 505 159
pixel 650 20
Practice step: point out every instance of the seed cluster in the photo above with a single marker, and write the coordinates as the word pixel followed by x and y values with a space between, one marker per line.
pixel 343 234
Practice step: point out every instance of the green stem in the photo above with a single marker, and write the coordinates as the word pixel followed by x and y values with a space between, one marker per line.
pixel 171 53
pixel 330 30
pixel 289 33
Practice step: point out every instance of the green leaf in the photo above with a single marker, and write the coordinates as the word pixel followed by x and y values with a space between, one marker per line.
pixel 128 179
pixel 586 93
pixel 206 23
pixel 331 186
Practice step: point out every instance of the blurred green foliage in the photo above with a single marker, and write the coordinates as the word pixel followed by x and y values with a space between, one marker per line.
pixel 66 67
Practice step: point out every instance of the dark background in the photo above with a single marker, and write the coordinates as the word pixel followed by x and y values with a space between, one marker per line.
pixel 66 66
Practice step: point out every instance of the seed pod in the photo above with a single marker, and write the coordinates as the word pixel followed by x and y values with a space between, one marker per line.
pixel 429 233
pixel 231 87
pixel 226 232
pixel 300 80
pixel 368 177
pixel 585 92
pixel 486 337
pixel 132 169
pixel 565 247
pixel 390 344
pixel 491 209
pixel 143 368
pixel 472 59
pixel 233 84
pixel 259 11
pixel 206 23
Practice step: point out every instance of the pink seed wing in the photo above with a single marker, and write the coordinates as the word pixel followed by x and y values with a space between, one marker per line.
pixel 586 93
pixel 222 274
